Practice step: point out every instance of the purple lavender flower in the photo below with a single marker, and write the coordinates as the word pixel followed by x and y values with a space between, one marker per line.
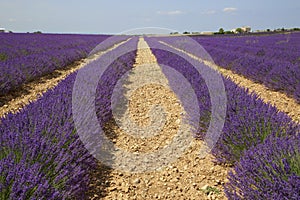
pixel 41 154
pixel 272 60
pixel 249 121
pixel 268 171
pixel 24 57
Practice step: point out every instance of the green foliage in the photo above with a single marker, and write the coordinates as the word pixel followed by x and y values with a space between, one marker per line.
pixel 229 32
pixel 239 30
pixel 5 192
pixel 211 189
pixel 221 31
pixel 3 57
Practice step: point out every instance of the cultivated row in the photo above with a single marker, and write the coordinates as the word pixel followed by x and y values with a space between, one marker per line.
pixel 250 137
pixel 41 154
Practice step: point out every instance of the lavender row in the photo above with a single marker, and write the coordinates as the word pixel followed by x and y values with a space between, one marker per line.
pixel 24 57
pixel 269 60
pixel 268 171
pixel 41 154
pixel 276 47
pixel 249 124
pixel 248 119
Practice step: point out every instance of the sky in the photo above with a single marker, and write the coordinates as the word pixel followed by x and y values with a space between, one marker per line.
pixel 119 16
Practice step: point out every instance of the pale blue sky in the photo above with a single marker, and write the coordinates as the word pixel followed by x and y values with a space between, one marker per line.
pixel 115 16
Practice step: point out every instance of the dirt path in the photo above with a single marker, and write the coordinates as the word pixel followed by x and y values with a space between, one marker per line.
pixel 15 101
pixel 278 99
pixel 189 177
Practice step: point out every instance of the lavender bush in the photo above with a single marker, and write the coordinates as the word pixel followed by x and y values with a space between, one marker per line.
pixel 272 60
pixel 268 171
pixel 297 93
pixel 284 77
pixel 41 155
pixel 249 121
pixel 24 57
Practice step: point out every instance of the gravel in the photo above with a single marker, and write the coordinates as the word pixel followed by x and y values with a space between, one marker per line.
pixel 183 178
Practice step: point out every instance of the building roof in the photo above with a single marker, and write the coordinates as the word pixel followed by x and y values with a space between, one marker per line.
pixel 206 32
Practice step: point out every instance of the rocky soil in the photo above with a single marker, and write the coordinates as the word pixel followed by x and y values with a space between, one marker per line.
pixel 29 92
pixel 188 177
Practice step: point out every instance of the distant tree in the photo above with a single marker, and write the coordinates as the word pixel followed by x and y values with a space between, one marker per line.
pixel 282 29
pixel 186 32
pixel 296 29
pixel 229 32
pixel 221 31
pixel 268 30
pixel 38 32
pixel 239 30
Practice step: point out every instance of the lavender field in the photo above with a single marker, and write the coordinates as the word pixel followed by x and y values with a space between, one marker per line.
pixel 272 60
pixel 24 57
pixel 43 157
pixel 41 153
pixel 257 138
